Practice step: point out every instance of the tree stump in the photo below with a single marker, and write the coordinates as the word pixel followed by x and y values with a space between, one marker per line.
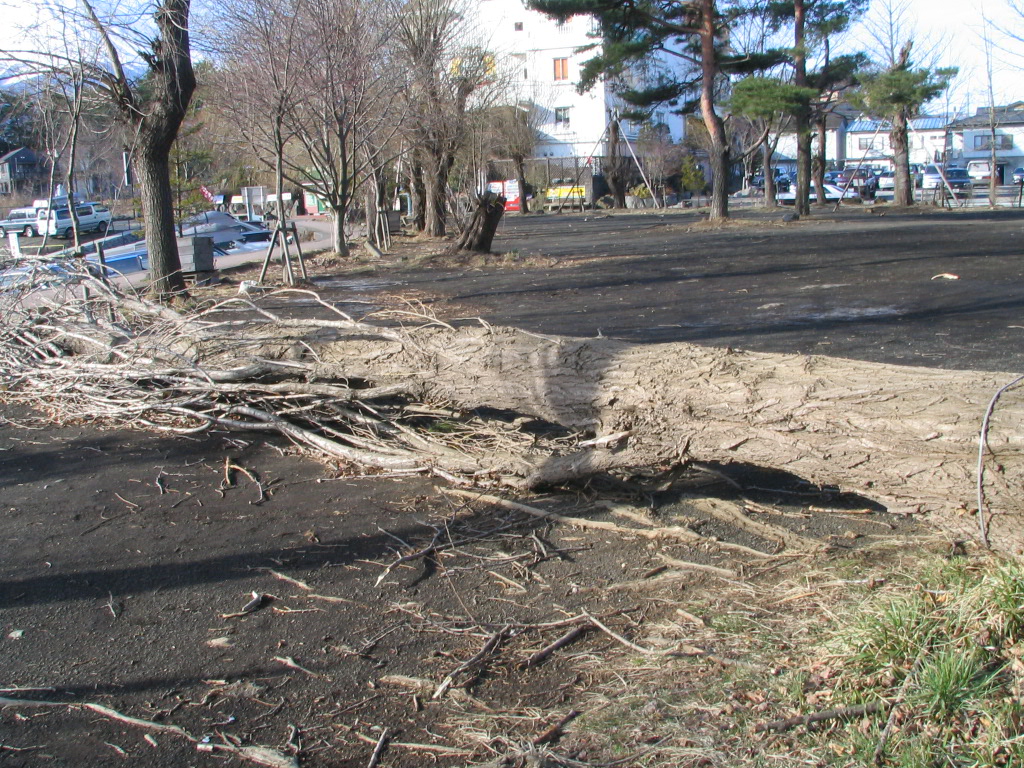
pixel 480 233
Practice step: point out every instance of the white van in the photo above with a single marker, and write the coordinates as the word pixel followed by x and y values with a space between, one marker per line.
pixel 979 170
pixel 20 220
pixel 92 217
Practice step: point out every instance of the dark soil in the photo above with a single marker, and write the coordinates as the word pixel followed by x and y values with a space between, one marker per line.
pixel 129 558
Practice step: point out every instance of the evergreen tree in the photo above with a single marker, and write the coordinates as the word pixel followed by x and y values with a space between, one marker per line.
pixel 897 94
pixel 814 22
pixel 695 32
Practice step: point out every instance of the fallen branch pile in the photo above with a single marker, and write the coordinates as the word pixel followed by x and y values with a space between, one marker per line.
pixel 493 406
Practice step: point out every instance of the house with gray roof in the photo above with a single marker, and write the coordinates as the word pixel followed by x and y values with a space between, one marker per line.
pixel 22 172
pixel 974 137
pixel 867 141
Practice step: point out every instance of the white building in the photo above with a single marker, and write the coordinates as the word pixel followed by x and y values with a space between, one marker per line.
pixel 542 60
pixel 972 139
pixel 867 141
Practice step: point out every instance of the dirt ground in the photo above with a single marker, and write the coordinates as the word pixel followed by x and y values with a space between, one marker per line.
pixel 170 601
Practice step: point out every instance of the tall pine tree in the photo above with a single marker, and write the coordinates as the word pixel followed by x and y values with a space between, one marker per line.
pixel 696 33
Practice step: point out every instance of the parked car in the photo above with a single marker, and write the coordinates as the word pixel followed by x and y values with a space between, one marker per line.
pixel 22 220
pixel 887 181
pixel 782 181
pixel 228 233
pixel 979 170
pixel 957 178
pixel 861 179
pixel 833 193
pixel 92 217
pixel 1018 175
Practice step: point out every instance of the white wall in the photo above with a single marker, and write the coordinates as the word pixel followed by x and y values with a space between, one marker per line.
pixel 528 43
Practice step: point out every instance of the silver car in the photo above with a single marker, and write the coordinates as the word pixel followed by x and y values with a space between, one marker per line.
pixel 20 220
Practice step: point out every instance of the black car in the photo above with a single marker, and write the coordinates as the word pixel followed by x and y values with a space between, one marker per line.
pixel 782 182
pixel 959 180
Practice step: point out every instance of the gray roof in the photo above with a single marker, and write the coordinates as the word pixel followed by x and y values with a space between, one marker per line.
pixel 24 154
pixel 1011 114
pixel 922 123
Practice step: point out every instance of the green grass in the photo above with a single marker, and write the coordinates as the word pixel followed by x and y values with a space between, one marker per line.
pixel 948 646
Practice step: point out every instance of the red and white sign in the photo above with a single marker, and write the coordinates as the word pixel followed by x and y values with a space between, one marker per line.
pixel 207 194
pixel 509 189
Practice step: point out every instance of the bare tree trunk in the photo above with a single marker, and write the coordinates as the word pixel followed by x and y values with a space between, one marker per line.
pixel 993 181
pixel 802 116
pixel 418 195
pixel 524 204
pixel 338 240
pixel 767 153
pixel 820 159
pixel 480 233
pixel 899 139
pixel 152 176
pixel 615 166
pixel 438 167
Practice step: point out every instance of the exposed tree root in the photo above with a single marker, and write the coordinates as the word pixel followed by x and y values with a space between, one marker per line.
pixel 490 406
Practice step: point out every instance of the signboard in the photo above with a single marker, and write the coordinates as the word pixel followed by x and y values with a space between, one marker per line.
pixel 509 189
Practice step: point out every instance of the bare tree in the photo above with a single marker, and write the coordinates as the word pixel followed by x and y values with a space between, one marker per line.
pixel 993 122
pixel 260 87
pixel 317 99
pixel 661 156
pixel 444 69
pixel 105 48
pixel 514 132
pixel 56 129
pixel 153 108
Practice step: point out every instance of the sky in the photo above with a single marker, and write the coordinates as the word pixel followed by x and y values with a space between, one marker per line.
pixel 955 31
pixel 954 28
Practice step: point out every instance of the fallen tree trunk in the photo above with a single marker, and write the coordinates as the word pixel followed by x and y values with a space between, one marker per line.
pixel 905 437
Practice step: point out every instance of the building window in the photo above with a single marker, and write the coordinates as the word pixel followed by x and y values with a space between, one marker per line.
pixel 865 144
pixel 562 117
pixel 561 69
pixel 519 26
pixel 984 141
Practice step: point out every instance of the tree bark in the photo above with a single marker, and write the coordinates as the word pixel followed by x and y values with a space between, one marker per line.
pixel 417 195
pixel 480 233
pixel 338 240
pixel 157 122
pixel 152 173
pixel 820 160
pixel 616 167
pixel 802 116
pixel 767 154
pixel 899 139
pixel 719 151
pixel 440 165
pixel 524 203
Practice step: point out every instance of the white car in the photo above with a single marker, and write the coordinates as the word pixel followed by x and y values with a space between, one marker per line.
pixel 92 217
pixel 833 194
